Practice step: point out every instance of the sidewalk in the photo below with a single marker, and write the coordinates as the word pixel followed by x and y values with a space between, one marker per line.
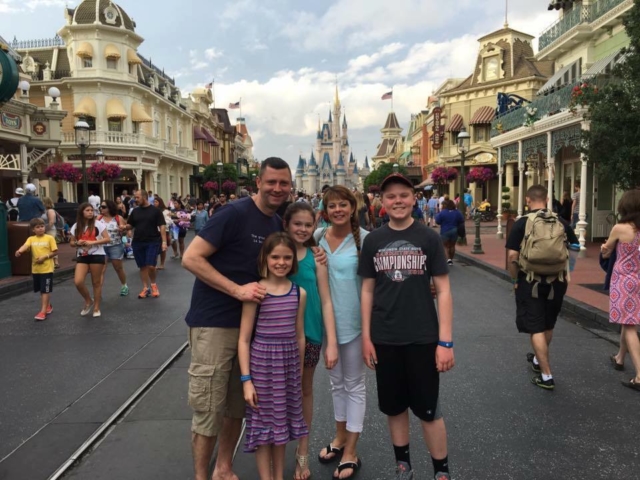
pixel 18 284
pixel 585 296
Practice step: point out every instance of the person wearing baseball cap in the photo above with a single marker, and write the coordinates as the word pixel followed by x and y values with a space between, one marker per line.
pixel 397 264
pixel 12 205
pixel 30 206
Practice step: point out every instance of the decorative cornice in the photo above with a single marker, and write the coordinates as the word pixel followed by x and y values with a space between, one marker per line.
pixel 549 123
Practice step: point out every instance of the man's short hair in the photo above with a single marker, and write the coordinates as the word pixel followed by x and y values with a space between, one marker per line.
pixel 537 193
pixel 273 162
pixel 144 194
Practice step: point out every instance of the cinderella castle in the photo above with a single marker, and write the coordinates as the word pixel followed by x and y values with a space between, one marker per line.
pixel 332 162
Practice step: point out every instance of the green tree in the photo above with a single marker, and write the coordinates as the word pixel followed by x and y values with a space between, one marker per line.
pixel 379 174
pixel 612 141
pixel 229 172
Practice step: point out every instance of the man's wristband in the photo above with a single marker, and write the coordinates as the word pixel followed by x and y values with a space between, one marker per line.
pixel 445 344
pixel 245 378
pixel 514 280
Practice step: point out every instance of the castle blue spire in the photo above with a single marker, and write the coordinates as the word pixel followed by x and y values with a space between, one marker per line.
pixel 326 162
pixel 344 121
pixel 340 166
pixel 366 162
pixel 351 160
pixel 330 117
pixel 355 169
pixel 301 165
pixel 312 161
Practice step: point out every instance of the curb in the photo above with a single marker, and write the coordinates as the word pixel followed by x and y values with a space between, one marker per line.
pixel 570 305
pixel 26 285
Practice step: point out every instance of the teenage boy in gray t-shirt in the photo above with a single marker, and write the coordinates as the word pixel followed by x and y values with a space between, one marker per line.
pixel 397 263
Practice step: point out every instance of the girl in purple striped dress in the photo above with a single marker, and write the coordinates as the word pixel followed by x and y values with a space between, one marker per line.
pixel 270 351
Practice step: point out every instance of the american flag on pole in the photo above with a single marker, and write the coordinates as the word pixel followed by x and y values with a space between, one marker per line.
pixel 209 86
pixel 233 106
pixel 387 96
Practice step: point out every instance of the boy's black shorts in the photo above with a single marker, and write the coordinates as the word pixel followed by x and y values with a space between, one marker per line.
pixel 43 282
pixel 407 377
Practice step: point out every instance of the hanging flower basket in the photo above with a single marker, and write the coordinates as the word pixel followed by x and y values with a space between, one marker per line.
pixel 480 175
pixel 103 172
pixel 210 185
pixel 444 175
pixel 581 95
pixel 63 172
pixel 229 187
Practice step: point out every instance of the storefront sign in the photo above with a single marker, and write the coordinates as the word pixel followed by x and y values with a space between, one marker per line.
pixel 437 135
pixel 107 157
pixel 11 121
pixel 39 128
pixel 150 161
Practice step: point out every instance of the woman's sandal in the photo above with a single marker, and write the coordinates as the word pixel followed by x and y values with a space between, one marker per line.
pixel 355 466
pixel 632 384
pixel 330 449
pixel 303 462
pixel 616 365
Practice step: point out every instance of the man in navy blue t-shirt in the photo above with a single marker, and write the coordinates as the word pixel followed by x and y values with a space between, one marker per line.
pixel 223 257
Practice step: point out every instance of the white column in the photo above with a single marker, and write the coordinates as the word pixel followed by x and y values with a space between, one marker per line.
pixel 24 165
pixel 521 189
pixel 500 170
pixel 582 214
pixel 550 172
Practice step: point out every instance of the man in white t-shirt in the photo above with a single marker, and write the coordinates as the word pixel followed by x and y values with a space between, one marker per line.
pixel 12 205
pixel 94 200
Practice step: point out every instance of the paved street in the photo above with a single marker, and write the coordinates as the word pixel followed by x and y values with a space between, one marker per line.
pixel 500 426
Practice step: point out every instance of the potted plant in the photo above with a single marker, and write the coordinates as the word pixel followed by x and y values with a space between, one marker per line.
pixel 63 172
pixel 211 186
pixel 229 187
pixel 506 203
pixel 103 172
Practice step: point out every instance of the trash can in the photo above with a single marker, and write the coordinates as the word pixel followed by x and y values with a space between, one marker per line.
pixel 68 211
pixel 5 264
pixel 18 234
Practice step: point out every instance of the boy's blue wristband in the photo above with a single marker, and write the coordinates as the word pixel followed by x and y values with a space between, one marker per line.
pixel 445 344
pixel 245 378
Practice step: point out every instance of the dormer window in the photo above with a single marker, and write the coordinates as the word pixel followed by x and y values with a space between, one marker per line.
pixel 491 68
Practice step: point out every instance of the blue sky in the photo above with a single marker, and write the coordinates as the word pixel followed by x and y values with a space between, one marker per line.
pixel 282 56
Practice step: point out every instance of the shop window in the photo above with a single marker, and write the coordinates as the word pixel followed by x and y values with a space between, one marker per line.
pixel 87 62
pixel 112 63
pixel 135 127
pixel 481 133
pixel 115 125
pixel 92 122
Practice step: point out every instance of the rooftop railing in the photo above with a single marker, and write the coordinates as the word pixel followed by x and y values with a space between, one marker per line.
pixel 578 15
pixel 39 43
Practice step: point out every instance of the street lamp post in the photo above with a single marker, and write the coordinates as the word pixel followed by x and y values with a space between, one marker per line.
pixel 83 141
pixel 396 168
pixel 220 168
pixel 463 147
pixel 100 158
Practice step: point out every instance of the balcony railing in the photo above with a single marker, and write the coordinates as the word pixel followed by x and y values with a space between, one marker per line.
pixel 578 15
pixel 133 139
pixel 39 43
pixel 545 105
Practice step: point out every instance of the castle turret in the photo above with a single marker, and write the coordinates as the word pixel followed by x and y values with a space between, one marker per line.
pixel 312 173
pixel 365 170
pixel 300 173
pixel 341 172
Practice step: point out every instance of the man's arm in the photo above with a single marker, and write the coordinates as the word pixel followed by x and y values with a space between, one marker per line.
pixel 512 258
pixel 196 260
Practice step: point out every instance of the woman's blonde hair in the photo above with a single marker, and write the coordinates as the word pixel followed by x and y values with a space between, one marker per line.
pixel 47 202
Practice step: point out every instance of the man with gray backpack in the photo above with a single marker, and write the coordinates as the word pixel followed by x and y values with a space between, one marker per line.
pixel 538 261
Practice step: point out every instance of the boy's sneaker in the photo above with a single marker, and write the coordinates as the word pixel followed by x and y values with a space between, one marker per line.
pixel 449 262
pixel 49 309
pixel 124 291
pixel 41 316
pixel 403 471
pixel 546 384
pixel 442 476
pixel 146 292
pixel 155 293
pixel 534 366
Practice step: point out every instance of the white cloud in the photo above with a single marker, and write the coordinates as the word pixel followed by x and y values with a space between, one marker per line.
pixel 256 45
pixel 195 62
pixel 211 53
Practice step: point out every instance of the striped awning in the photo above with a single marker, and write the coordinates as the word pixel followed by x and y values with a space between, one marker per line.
pixel 115 109
pixel 455 125
pixel 483 116
pixel 139 114
pixel 608 62
pixel 111 51
pixel 557 79
pixel 132 58
pixel 210 138
pixel 86 108
pixel 197 134
pixel 85 50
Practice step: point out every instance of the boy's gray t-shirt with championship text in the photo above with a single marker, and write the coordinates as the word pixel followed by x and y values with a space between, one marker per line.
pixel 402 263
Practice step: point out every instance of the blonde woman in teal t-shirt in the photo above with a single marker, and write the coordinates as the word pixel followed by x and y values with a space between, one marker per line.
pixel 318 316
